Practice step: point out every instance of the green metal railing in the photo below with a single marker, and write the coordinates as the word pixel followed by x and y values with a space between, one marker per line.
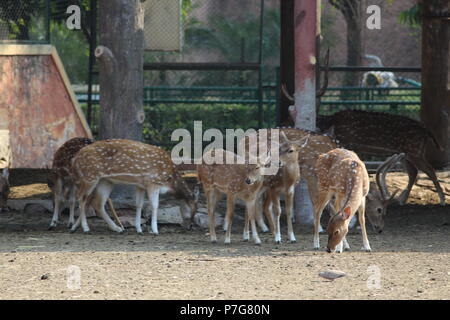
pixel 169 108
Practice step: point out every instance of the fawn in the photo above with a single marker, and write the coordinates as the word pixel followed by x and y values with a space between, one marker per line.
pixel 101 165
pixel 240 179
pixel 340 173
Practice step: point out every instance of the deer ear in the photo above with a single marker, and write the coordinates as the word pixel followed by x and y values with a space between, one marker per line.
pixel 346 213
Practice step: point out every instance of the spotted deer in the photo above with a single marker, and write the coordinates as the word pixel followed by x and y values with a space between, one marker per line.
pixel 380 134
pixel 283 183
pixel 385 134
pixel 342 175
pixel 101 165
pixel 379 198
pixel 60 181
pixel 241 179
pixel 4 189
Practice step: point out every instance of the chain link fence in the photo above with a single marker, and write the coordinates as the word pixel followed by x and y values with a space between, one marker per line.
pixel 24 21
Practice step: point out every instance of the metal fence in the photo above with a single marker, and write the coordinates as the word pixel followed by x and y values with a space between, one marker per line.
pixel 24 21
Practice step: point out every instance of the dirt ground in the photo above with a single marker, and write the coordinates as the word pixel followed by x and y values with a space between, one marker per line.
pixel 410 259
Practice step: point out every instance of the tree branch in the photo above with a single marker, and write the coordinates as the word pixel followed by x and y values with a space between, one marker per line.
pixel 105 56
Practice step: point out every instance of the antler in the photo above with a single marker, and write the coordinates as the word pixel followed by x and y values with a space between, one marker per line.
pixel 381 176
pixel 321 91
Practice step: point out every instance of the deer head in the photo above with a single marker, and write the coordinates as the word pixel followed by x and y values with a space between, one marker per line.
pixel 337 228
pixel 379 198
pixel 4 189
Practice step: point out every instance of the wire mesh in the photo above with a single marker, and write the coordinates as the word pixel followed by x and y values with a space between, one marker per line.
pixel 24 21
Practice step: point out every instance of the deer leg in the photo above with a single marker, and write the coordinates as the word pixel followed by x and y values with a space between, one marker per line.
pixel 429 170
pixel 289 205
pixel 277 213
pixel 229 218
pixel 102 193
pixel 153 196
pixel 251 209
pixel 313 191
pixel 211 199
pixel 362 223
pixel 267 209
pixel 346 245
pixel 139 197
pixel 72 202
pixel 58 203
pixel 259 216
pixel 412 176
pixel 246 235
pixel 319 205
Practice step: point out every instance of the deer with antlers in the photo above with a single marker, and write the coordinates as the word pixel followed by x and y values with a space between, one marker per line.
pixel 381 134
pixel 98 167
pixel 317 144
pixel 342 175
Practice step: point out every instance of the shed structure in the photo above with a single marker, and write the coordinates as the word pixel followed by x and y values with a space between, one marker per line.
pixel 38 108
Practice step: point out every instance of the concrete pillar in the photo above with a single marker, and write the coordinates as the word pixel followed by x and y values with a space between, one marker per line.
pixel 305 26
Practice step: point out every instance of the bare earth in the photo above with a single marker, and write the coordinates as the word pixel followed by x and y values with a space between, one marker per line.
pixel 412 256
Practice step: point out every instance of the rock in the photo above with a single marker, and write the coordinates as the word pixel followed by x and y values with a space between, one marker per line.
pixel 202 220
pixel 35 209
pixel 45 276
pixel 332 274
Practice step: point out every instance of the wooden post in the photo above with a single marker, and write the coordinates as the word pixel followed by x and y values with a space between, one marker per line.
pixel 435 109
pixel 287 62
pixel 305 26
pixel 120 56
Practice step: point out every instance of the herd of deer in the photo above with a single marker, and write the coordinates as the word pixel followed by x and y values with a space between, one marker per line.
pixel 86 171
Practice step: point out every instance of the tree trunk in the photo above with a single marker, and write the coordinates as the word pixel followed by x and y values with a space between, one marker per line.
pixel 305 24
pixel 435 59
pixel 351 9
pixel 120 56
pixel 354 49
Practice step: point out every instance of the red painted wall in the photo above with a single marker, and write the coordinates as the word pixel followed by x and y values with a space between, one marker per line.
pixel 36 109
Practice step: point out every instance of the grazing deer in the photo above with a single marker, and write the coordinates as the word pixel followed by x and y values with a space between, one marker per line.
pixel 380 133
pixel 60 181
pixel 101 165
pixel 4 189
pixel 340 174
pixel 241 179
pixel 379 198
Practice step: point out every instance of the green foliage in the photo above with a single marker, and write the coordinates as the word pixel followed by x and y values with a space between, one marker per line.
pixel 73 50
pixel 411 17
pixel 163 119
